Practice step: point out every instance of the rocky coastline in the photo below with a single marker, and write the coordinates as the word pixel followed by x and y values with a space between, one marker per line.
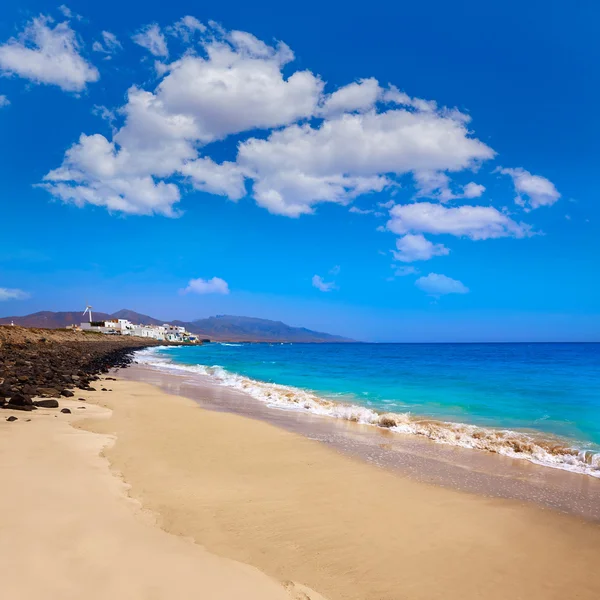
pixel 40 366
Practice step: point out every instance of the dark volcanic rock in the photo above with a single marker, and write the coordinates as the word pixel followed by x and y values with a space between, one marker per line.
pixel 21 400
pixel 67 411
pixel 18 407
pixel 12 418
pixel 48 392
pixel 46 403
pixel 30 367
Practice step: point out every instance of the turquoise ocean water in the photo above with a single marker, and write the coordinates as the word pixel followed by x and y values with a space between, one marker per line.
pixel 540 402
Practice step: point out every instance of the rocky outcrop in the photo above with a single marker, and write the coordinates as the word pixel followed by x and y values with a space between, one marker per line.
pixel 50 364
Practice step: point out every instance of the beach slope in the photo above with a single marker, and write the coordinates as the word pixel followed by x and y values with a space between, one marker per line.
pixel 68 529
pixel 298 510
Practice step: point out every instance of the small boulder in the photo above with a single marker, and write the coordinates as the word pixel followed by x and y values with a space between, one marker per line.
pixel 19 407
pixel 67 411
pixel 21 400
pixel 12 418
pixel 51 403
pixel 46 392
pixel 67 393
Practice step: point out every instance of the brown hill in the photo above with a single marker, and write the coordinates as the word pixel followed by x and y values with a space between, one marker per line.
pixel 218 328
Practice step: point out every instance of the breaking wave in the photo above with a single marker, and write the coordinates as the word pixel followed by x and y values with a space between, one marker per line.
pixel 520 445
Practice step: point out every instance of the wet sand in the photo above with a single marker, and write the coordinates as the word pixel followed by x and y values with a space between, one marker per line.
pixel 299 510
pixel 474 471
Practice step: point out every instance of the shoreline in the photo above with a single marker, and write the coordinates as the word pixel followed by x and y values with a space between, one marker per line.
pixel 483 473
pixel 536 446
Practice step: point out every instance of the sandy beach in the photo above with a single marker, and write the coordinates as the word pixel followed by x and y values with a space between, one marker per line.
pixel 69 530
pixel 205 487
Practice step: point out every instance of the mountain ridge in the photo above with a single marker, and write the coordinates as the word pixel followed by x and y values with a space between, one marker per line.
pixel 226 328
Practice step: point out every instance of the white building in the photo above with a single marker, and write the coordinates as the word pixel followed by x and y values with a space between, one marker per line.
pixel 165 332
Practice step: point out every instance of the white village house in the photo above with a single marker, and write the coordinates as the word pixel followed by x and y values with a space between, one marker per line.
pixel 165 332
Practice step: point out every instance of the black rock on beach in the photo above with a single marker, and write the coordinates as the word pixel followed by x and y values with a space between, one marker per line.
pixel 48 364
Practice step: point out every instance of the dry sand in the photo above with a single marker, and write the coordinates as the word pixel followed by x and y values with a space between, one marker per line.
pixel 248 491
pixel 69 531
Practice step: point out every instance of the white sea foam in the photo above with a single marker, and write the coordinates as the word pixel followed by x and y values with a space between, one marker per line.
pixel 525 446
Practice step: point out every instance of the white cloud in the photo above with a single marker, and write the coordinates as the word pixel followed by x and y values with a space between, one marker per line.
pixel 322 285
pixel 109 44
pixel 394 96
pixel 436 184
pixel 404 271
pixel 152 38
pixel 440 285
pixel 532 191
pixel 216 285
pixel 65 10
pixel 475 222
pixel 473 190
pixel 12 294
pixel 133 195
pixel 301 165
pixel 238 89
pixel 238 86
pixel 4 101
pixel 361 211
pixel 412 247
pixel 186 27
pixel 225 179
pixel 358 96
pixel 48 55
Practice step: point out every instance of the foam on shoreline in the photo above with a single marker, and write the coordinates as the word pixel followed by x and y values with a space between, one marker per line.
pixel 525 446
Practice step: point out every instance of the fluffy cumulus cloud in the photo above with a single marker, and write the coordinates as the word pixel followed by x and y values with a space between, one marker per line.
pixel 353 154
pixel 224 179
pixel 358 96
pixel 532 191
pixel 12 294
pixel 413 247
pixel 216 285
pixel 151 37
pixel 435 284
pixel 49 54
pixel 238 85
pixel 109 44
pixel 322 285
pixel 317 145
pixel 474 222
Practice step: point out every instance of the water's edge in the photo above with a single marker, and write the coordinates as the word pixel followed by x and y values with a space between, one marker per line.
pixel 540 449
pixel 482 473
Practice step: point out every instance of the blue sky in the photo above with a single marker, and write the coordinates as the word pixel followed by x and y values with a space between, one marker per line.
pixel 396 173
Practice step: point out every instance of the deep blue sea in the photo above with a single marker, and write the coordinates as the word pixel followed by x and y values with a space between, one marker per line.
pixel 534 401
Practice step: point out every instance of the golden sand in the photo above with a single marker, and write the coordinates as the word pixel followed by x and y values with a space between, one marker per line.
pixel 298 510
pixel 68 531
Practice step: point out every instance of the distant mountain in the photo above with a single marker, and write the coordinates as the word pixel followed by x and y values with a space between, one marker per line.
pixel 219 328
pixel 232 328
pixel 52 320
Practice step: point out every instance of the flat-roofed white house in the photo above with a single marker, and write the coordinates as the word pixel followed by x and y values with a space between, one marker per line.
pixel 168 332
